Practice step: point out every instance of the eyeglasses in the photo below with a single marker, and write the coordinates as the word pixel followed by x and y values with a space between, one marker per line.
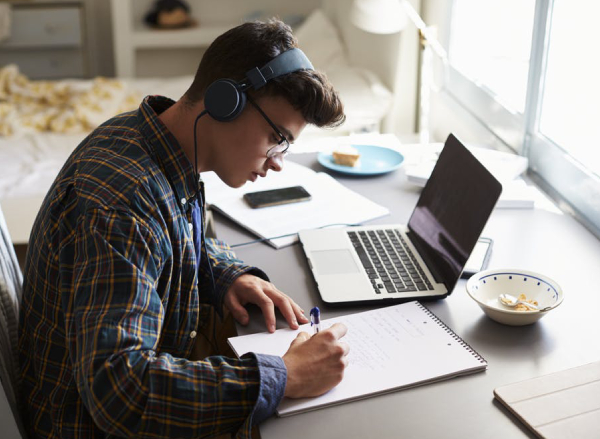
pixel 283 145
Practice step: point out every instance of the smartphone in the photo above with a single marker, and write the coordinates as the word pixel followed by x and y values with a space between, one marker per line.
pixel 479 259
pixel 275 197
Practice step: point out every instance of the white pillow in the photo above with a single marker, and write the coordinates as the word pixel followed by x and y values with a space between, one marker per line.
pixel 319 40
pixel 366 101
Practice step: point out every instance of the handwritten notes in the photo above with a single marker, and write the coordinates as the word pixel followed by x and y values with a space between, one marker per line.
pixel 390 349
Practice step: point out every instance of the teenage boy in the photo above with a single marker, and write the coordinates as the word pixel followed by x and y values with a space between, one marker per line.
pixel 121 285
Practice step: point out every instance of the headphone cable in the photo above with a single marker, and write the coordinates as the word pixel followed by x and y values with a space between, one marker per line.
pixel 197 176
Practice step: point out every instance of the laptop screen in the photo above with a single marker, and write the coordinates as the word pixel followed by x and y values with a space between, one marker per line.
pixel 452 211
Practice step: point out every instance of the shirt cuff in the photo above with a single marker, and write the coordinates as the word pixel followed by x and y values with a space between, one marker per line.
pixel 273 378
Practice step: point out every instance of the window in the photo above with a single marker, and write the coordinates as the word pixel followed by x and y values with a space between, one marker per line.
pixel 571 101
pixel 528 71
pixel 492 53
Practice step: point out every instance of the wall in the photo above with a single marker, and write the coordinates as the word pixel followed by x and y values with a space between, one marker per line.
pixel 99 33
pixel 393 57
pixel 403 118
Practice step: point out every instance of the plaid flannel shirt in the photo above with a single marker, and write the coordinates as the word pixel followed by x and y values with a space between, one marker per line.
pixel 113 298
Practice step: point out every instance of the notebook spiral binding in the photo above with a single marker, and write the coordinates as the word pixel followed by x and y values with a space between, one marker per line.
pixel 452 333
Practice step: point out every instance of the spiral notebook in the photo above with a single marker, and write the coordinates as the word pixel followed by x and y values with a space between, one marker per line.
pixel 391 349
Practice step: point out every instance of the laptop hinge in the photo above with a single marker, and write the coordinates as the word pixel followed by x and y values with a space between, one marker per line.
pixel 416 241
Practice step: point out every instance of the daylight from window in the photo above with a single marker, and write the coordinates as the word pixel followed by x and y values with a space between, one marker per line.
pixel 491 43
pixel 571 102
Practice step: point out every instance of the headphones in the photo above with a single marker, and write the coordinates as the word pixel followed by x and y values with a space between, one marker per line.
pixel 225 99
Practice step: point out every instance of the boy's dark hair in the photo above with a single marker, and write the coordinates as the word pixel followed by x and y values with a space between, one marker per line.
pixel 254 44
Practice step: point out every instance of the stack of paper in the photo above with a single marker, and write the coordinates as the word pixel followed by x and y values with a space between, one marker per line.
pixel 517 194
pixel 506 167
pixel 422 158
pixel 331 204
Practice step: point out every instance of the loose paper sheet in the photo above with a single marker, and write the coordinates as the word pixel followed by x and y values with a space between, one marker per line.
pixel 331 203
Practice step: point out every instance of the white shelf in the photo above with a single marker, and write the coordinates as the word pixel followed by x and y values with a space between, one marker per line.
pixel 130 35
pixel 144 37
pixel 140 50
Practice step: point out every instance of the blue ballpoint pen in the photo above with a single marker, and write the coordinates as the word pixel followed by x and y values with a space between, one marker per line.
pixel 315 319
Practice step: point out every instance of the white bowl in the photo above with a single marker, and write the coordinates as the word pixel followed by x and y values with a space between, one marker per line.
pixel 486 286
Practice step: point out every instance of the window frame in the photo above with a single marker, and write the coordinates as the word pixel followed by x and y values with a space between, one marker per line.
pixel 573 187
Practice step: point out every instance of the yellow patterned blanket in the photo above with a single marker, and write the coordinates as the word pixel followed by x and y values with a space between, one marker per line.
pixel 68 106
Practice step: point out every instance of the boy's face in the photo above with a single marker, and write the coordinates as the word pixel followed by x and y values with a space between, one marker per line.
pixel 240 153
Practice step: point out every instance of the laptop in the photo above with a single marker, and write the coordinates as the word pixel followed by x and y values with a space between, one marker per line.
pixel 420 261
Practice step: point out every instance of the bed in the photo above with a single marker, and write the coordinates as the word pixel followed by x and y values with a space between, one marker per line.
pixel 31 158
pixel 33 149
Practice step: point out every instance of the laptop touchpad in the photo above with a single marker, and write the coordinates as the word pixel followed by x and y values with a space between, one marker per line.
pixel 333 262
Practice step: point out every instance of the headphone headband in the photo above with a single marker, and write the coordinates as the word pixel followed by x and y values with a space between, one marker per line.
pixel 287 62
pixel 225 99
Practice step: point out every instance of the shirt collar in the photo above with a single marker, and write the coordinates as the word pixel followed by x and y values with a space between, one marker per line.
pixel 166 148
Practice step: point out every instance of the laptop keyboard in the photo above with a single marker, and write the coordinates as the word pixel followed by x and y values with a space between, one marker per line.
pixel 388 261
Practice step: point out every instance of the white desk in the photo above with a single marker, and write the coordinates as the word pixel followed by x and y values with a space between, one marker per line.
pixel 551 243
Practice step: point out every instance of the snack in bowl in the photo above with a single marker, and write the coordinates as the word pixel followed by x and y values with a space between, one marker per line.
pixel 486 288
pixel 522 306
pixel 346 156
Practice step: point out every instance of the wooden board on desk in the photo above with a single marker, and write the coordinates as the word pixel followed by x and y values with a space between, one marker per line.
pixel 558 405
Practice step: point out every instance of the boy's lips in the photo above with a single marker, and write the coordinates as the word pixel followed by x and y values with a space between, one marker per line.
pixel 255 175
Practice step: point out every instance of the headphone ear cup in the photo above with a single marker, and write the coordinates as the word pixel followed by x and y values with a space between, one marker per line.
pixel 224 100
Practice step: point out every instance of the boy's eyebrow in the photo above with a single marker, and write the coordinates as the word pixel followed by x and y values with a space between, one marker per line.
pixel 287 133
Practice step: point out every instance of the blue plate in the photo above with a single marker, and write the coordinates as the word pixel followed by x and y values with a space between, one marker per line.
pixel 373 160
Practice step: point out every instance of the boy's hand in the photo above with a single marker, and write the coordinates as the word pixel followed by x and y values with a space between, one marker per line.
pixel 316 364
pixel 251 289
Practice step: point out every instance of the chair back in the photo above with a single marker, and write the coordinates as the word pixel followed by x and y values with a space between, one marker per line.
pixel 11 282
